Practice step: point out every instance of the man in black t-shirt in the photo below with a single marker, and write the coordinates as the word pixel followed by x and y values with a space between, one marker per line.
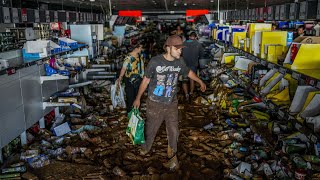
pixel 162 75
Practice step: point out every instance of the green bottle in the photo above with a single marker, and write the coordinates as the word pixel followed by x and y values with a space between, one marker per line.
pixel 299 161
pixel 312 158
pixel 289 149
pixel 7 176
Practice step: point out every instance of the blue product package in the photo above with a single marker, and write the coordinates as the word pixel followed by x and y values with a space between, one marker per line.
pixel 289 38
pixel 49 70
pixel 39 161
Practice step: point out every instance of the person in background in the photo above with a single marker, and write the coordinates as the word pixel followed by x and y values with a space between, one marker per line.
pixel 274 27
pixel 161 76
pixel 300 31
pixel 179 32
pixel 191 53
pixel 133 71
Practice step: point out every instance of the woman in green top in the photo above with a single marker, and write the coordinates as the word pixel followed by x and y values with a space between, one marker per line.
pixel 133 72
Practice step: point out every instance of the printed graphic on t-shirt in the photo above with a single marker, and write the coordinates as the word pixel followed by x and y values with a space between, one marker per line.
pixel 158 91
pixel 167 79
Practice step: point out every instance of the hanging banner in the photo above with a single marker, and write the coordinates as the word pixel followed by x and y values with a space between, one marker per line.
pixel 77 17
pixel 24 17
pixel 56 17
pixel 36 16
pixel 67 17
pixel 47 16
pixel 15 15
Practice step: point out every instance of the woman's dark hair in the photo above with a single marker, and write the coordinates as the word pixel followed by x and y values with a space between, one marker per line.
pixel 136 44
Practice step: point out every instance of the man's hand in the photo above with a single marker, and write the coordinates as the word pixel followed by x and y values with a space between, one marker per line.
pixel 203 86
pixel 136 103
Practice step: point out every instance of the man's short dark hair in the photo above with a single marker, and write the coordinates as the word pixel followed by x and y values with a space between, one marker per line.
pixel 301 27
pixel 193 34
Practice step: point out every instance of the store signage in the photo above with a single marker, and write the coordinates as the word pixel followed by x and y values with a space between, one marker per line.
pixel 77 17
pixel 197 12
pixel 24 17
pixel 6 15
pixel 15 15
pixel 277 13
pixel 81 17
pixel 67 17
pixel 318 10
pixel 47 16
pixel 131 13
pixel 36 16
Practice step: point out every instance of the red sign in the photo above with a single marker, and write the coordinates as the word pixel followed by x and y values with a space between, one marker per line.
pixel 197 12
pixel 24 14
pixel 130 13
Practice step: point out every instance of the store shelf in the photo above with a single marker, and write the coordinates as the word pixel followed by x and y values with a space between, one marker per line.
pixel 312 79
pixel 80 84
pixel 280 111
pixel 51 78
pixel 19 62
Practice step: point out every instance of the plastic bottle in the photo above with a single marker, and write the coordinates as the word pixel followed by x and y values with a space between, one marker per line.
pixel 294 148
pixel 299 161
pixel 311 158
pixel 208 126
pixel 233 177
pixel 14 169
pixel 294 52
pixel 7 176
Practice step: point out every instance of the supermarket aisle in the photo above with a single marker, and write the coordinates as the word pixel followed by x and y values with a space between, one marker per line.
pixel 103 150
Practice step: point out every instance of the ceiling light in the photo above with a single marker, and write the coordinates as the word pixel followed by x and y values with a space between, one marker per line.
pixel 193 4
pixel 92 0
pixel 175 4
pixel 185 4
pixel 211 1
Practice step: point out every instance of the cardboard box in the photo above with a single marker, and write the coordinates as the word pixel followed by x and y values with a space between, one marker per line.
pixel 67 100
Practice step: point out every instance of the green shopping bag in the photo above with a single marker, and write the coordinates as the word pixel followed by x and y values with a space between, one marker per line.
pixel 135 129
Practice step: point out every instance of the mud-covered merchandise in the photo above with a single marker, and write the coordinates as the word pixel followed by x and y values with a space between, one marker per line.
pixel 228 132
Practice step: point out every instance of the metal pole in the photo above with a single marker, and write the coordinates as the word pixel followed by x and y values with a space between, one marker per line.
pixel 110 10
pixel 219 11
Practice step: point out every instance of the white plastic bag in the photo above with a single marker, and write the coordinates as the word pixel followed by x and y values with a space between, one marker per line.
pixel 117 96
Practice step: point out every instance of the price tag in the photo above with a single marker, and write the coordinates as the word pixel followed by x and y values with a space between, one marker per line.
pixel 296 75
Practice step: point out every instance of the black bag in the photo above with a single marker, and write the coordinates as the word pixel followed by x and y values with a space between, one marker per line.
pixel 135 81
